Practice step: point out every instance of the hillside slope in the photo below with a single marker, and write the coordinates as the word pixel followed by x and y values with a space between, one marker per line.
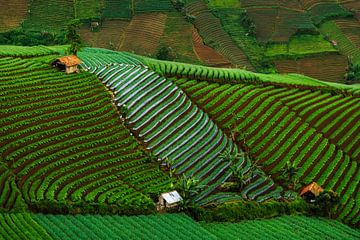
pixel 63 141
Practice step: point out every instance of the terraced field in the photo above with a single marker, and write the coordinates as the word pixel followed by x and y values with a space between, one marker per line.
pixel 150 26
pixel 210 29
pixel 63 140
pixel 117 9
pixel 49 15
pixel 143 6
pixel 345 45
pixel 330 68
pixel 174 226
pixel 12 19
pixel 161 115
pixel 180 42
pixel 109 36
pixel 207 54
pixel 317 131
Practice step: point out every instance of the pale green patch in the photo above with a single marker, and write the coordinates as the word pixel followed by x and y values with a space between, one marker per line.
pixel 224 3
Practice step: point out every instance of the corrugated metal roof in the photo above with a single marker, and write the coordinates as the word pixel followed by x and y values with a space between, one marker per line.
pixel 172 197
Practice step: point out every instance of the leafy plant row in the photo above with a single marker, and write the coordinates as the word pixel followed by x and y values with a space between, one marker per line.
pixel 272 123
pixel 68 148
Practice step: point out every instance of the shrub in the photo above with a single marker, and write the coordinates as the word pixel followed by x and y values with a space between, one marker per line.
pixel 237 211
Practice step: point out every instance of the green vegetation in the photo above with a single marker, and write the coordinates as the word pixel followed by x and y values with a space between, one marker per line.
pixel 63 130
pixel 117 9
pixel 73 37
pixel 295 227
pixel 17 51
pixel 224 3
pixel 300 46
pixel 175 226
pixel 88 9
pixel 309 128
pixel 49 16
pixel 141 6
pixel 344 45
pixel 235 22
pixel 21 226
pixel 325 11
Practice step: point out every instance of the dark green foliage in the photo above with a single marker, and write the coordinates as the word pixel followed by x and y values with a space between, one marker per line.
pixel 353 73
pixel 73 37
pixel 152 6
pixel 165 53
pixel 326 203
pixel 325 11
pixel 237 211
pixel 178 4
pixel 31 38
pixel 10 196
pixel 117 9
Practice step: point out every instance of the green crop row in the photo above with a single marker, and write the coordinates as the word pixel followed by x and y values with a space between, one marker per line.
pixel 15 51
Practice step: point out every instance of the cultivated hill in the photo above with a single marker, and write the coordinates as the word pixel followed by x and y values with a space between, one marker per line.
pixel 315 38
pixel 94 141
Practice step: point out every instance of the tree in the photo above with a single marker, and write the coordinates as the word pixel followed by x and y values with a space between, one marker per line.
pixel 188 187
pixel 353 72
pixel 169 163
pixel 327 202
pixel 73 37
pixel 289 174
pixel 124 110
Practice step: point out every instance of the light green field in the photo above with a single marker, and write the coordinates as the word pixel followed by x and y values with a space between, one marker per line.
pixel 225 3
pixel 301 45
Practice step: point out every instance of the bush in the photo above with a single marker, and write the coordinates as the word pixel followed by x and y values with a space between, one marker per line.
pixel 237 211
pixel 22 37
pixel 54 207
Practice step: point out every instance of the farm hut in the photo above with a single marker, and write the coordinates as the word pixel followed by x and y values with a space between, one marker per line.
pixel 169 200
pixel 69 64
pixel 311 191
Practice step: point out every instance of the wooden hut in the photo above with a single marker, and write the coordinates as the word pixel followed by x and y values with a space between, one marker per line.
pixel 169 200
pixel 311 191
pixel 69 64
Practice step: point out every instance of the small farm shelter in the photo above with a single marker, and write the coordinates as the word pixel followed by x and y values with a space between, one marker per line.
pixel 311 191
pixel 69 64
pixel 169 200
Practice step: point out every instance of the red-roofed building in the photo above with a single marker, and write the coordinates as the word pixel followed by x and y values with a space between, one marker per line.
pixel 69 64
pixel 311 191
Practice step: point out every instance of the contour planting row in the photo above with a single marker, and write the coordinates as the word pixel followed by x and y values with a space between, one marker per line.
pixel 344 44
pixel 168 123
pixel 172 127
pixel 150 26
pixel 214 35
pixel 334 116
pixel 10 196
pixel 263 118
pixel 63 140
pixel 287 227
